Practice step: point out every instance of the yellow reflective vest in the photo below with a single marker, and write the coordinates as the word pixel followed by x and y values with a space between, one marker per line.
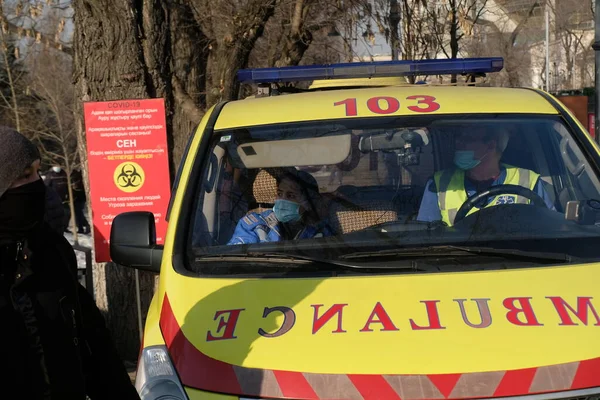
pixel 450 186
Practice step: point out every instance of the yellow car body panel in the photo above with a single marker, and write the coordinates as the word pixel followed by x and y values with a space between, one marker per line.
pixel 424 323
pixel 322 105
pixel 194 394
pixel 152 334
pixel 419 324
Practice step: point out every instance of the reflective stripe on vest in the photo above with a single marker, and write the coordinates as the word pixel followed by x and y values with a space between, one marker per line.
pixel 450 185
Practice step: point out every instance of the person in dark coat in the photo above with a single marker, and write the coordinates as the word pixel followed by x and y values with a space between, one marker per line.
pixel 56 178
pixel 55 213
pixel 79 200
pixel 55 344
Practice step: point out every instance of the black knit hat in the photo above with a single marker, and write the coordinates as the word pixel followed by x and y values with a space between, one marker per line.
pixel 16 154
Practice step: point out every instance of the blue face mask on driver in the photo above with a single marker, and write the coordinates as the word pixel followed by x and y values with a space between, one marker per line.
pixel 465 159
pixel 287 211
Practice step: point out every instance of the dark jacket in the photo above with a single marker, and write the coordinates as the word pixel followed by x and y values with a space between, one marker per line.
pixel 55 213
pixel 55 342
pixel 58 181
pixel 77 186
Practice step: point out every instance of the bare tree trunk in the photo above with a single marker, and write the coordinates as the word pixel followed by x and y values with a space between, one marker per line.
pixel 582 68
pixel 190 55
pixel 124 49
pixel 232 52
pixel 453 33
pixel 394 18
pixel 11 84
pixel 115 69
pixel 299 39
pixel 408 33
pixel 69 171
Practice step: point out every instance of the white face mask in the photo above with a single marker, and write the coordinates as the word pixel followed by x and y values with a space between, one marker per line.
pixel 56 169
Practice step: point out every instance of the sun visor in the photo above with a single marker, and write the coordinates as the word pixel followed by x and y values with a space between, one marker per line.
pixel 297 152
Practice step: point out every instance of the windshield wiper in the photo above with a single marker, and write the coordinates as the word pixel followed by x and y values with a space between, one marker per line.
pixel 451 250
pixel 275 257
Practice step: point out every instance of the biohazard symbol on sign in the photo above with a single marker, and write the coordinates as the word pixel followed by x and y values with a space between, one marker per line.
pixel 129 177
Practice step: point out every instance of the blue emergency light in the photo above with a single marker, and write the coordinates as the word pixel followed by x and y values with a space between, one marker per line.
pixel 372 69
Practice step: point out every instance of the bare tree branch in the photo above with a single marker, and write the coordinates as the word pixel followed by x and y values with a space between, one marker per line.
pixel 187 104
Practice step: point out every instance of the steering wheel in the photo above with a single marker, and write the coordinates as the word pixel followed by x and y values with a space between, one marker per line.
pixel 495 191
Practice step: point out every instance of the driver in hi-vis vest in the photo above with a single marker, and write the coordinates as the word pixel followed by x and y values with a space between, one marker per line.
pixel 478 168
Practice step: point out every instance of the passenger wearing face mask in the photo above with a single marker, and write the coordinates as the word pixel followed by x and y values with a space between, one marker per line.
pixel 54 344
pixel 294 214
pixel 477 159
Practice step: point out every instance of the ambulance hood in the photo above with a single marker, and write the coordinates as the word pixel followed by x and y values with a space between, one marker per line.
pixel 434 336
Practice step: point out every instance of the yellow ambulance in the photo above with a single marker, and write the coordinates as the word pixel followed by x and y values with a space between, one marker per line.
pixel 376 240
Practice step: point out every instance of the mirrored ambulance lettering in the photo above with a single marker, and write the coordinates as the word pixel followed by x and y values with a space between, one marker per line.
pixel 433 317
pixel 319 321
pixel 584 308
pixel 519 311
pixel 289 320
pixel 379 316
pixel 485 316
pixel 227 322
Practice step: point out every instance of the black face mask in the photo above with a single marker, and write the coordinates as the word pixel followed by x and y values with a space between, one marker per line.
pixel 22 210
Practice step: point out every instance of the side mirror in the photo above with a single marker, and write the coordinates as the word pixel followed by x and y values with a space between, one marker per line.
pixel 133 241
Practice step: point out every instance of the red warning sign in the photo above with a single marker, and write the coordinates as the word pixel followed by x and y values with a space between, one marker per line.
pixel 128 164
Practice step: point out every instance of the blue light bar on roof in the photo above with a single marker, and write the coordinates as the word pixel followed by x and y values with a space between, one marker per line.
pixel 371 70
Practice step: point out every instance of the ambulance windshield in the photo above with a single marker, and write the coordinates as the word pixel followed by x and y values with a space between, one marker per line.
pixel 328 189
